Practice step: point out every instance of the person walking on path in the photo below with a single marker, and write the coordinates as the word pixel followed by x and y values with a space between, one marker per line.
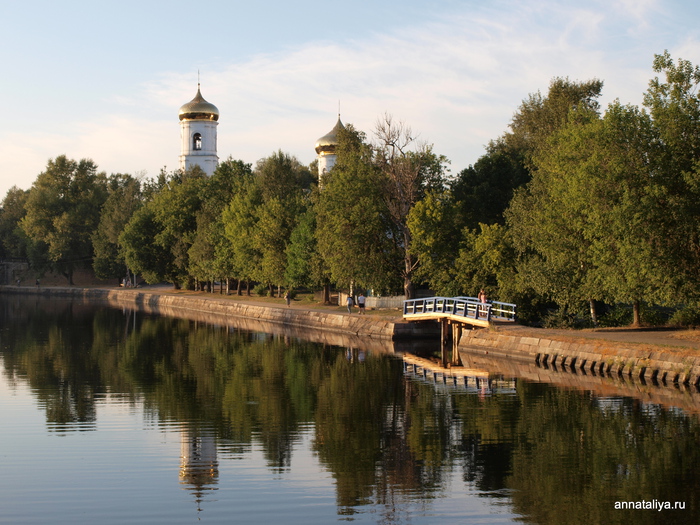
pixel 288 298
pixel 350 302
pixel 361 303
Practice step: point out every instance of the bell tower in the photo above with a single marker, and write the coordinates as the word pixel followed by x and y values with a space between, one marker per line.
pixel 198 122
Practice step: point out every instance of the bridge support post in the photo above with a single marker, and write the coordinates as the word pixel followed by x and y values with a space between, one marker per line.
pixel 444 341
pixel 456 336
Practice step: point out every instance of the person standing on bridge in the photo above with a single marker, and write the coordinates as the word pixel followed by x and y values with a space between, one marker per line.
pixel 483 300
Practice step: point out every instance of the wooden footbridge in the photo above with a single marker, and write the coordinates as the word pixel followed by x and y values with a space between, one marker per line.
pixel 453 313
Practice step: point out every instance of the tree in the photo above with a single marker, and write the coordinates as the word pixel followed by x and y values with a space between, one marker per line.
pixel 674 105
pixel 144 256
pixel 304 265
pixel 436 232
pixel 589 225
pixel 284 184
pixel 353 228
pixel 210 255
pixel 63 210
pixel 239 220
pixel 409 169
pixel 13 241
pixel 539 116
pixel 175 210
pixel 124 199
pixel 261 217
pixel 482 192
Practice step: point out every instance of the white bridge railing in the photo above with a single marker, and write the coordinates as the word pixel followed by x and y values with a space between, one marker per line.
pixel 467 307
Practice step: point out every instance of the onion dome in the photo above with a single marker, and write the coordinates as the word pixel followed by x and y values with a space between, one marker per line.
pixel 329 141
pixel 199 109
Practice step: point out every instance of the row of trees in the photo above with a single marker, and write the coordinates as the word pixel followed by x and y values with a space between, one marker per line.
pixel 605 205
pixel 269 224
pixel 572 206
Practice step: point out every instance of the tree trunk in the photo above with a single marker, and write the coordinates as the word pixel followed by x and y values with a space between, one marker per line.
pixel 636 320
pixel 408 291
pixel 409 264
pixel 247 287
pixel 327 293
pixel 594 316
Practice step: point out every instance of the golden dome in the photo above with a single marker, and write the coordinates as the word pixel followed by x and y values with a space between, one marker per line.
pixel 329 141
pixel 199 109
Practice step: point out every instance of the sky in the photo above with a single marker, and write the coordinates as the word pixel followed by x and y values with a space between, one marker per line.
pixel 105 80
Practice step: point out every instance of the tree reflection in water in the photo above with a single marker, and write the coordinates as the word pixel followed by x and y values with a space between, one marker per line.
pixel 388 440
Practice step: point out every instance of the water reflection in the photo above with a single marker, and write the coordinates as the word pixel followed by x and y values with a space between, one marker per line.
pixel 199 464
pixel 393 446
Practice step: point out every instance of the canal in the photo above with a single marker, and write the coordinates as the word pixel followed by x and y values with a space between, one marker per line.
pixel 112 416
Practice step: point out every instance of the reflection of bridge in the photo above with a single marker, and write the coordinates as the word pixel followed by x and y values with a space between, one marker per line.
pixel 455 312
pixel 472 379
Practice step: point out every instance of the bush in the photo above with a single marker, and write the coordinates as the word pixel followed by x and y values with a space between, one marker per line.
pixel 261 290
pixel 688 317
pixel 562 318
pixel 618 315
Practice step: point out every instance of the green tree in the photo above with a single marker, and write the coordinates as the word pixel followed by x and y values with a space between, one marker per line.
pixel 13 241
pixel 261 217
pixel 305 266
pixel 483 191
pixel 353 226
pixel 674 105
pixel 210 254
pixel 175 210
pixel 63 210
pixel 125 197
pixel 435 224
pixel 589 226
pixel 409 170
pixel 539 116
pixel 144 256
pixel 239 220
pixel 284 183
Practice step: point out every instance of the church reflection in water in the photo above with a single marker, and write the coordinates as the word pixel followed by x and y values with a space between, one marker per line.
pixel 199 466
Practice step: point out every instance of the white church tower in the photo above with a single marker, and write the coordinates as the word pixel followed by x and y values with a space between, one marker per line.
pixel 198 121
pixel 325 149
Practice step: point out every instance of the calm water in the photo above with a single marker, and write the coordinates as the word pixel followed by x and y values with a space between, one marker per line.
pixel 117 417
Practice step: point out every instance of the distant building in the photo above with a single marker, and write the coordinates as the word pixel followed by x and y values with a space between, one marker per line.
pixel 326 150
pixel 198 122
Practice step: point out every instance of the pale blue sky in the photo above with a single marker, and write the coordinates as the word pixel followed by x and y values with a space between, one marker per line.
pixel 105 80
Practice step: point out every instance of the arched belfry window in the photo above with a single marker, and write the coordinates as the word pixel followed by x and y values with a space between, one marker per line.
pixel 197 142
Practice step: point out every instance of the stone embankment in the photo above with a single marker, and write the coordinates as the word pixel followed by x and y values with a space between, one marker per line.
pixel 667 361
pixel 221 310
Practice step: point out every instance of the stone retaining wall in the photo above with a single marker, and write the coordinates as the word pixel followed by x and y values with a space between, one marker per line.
pixel 154 302
pixel 653 363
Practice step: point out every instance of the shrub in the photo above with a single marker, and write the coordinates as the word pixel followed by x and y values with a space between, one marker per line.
pixel 562 318
pixel 617 315
pixel 261 290
pixel 688 316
